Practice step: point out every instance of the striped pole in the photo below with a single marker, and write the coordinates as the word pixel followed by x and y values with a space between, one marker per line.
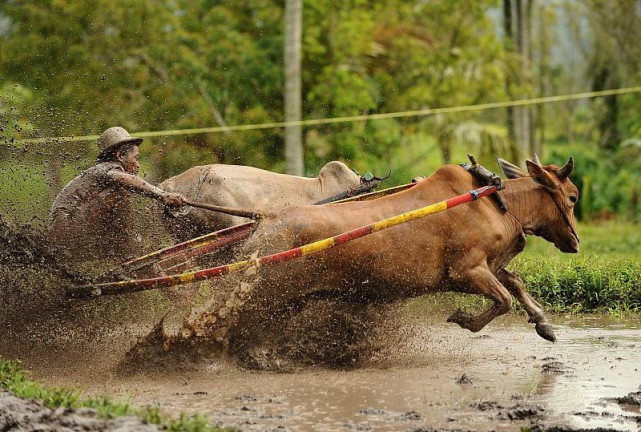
pixel 123 287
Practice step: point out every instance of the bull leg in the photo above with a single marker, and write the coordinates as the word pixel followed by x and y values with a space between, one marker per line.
pixel 516 287
pixel 483 282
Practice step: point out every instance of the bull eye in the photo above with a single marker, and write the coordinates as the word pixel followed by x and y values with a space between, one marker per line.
pixel 573 198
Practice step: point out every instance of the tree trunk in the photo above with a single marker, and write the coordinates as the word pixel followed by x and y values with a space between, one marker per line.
pixel 543 76
pixel 523 115
pixel 608 127
pixel 293 134
pixel 508 45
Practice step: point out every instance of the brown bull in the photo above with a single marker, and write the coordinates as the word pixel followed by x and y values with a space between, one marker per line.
pixel 248 188
pixel 464 249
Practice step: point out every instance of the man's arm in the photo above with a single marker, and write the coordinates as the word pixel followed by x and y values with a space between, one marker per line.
pixel 138 185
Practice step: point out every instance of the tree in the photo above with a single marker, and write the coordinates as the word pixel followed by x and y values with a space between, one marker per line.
pixel 517 26
pixel 293 134
pixel 613 60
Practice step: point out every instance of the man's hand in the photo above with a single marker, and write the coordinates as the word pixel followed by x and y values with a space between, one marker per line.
pixel 173 199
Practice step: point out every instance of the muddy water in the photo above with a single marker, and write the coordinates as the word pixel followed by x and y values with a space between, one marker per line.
pixel 437 376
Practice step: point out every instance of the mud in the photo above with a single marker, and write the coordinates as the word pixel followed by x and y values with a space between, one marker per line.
pixel 429 376
pixel 30 281
pixel 631 399
pixel 418 386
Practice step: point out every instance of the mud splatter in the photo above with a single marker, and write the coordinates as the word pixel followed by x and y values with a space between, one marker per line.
pixel 330 333
pixel 630 399
pixel 554 367
pixel 464 380
pixel 30 279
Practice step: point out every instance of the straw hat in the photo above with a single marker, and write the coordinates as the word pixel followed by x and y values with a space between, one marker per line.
pixel 114 137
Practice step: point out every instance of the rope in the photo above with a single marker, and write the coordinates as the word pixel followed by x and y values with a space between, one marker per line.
pixel 334 120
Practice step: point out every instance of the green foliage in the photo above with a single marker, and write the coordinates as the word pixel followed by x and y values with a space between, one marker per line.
pixel 76 68
pixel 13 378
pixel 365 58
pixel 605 276
pixel 14 101
pixel 584 284
pixel 609 185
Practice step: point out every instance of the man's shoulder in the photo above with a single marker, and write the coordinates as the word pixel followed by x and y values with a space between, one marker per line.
pixel 101 170
pixel 94 173
pixel 107 166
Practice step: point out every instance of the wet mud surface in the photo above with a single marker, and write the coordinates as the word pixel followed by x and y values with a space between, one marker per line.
pixel 434 376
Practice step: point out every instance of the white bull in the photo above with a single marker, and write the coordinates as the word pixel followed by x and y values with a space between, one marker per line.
pixel 248 188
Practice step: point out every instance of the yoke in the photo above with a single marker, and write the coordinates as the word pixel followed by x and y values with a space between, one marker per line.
pixel 487 178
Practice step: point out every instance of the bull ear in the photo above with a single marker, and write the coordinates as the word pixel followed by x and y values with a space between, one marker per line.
pixel 539 175
pixel 565 171
pixel 510 170
pixel 537 160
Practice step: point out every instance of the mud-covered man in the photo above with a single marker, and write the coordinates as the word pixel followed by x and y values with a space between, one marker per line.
pixel 90 220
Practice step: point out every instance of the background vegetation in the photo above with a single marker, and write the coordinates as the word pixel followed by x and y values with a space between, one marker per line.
pixel 604 277
pixel 75 68
pixel 70 68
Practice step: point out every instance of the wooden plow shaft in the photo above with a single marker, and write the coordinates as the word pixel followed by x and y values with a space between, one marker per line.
pixel 377 194
pixel 122 287
pixel 178 261
pixel 206 243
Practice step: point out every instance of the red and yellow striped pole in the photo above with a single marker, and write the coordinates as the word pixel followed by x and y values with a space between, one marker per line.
pixel 121 287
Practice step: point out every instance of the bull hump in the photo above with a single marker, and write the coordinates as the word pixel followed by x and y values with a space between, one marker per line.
pixel 340 173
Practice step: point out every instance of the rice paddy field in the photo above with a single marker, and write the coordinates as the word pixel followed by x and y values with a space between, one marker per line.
pixel 604 276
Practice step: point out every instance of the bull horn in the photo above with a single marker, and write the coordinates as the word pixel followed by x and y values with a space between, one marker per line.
pixel 537 160
pixel 369 177
pixel 389 172
pixel 565 171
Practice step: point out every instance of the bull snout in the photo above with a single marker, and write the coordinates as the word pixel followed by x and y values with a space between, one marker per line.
pixel 570 246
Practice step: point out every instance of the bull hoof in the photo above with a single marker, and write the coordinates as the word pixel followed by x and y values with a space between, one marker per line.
pixel 461 318
pixel 545 331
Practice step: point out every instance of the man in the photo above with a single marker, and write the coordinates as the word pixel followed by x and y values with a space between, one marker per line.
pixel 90 220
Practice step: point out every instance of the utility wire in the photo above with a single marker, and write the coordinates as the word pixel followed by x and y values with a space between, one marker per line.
pixel 381 116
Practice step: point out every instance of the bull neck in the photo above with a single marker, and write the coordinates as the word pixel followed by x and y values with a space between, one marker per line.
pixel 518 194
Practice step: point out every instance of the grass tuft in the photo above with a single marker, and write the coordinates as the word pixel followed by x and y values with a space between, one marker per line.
pixel 604 277
pixel 586 284
pixel 13 378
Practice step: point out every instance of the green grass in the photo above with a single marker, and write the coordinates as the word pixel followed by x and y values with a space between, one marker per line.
pixel 604 277
pixel 13 378
pixel 584 284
